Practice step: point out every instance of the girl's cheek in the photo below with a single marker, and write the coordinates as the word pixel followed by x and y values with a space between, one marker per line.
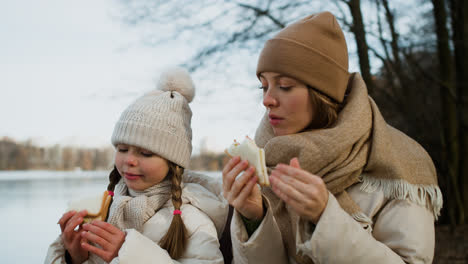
pixel 117 162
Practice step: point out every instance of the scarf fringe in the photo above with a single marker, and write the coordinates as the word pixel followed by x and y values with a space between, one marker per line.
pixel 429 196
pixel 362 218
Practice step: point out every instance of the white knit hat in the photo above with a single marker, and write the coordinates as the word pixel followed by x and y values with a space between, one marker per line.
pixel 159 121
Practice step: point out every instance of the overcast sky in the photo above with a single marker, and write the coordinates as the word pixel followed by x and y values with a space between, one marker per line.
pixel 69 68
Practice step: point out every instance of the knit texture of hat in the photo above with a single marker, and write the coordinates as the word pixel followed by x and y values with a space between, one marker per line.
pixel 312 50
pixel 159 121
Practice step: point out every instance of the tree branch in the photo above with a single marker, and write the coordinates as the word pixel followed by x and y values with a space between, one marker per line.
pixel 342 19
pixel 261 13
pixel 430 76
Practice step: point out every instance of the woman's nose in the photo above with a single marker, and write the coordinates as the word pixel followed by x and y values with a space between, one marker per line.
pixel 269 99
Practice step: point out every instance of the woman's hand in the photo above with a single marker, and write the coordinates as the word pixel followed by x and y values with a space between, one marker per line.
pixel 304 192
pixel 71 238
pixel 242 192
pixel 105 235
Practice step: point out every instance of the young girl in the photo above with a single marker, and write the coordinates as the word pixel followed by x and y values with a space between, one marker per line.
pixel 158 214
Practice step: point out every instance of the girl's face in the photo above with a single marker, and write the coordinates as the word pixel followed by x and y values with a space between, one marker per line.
pixel 287 102
pixel 140 168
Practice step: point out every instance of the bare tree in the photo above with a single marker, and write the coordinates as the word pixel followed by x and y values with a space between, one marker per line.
pixel 459 15
pixel 357 27
pixel 226 26
pixel 449 107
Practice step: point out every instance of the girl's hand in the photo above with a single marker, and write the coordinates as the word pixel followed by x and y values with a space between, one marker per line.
pixel 242 192
pixel 105 235
pixel 71 238
pixel 304 192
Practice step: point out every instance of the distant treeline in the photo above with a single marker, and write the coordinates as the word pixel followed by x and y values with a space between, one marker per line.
pixel 28 156
pixel 208 161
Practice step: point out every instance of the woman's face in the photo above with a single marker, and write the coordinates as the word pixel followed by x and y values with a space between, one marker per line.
pixel 287 102
pixel 140 168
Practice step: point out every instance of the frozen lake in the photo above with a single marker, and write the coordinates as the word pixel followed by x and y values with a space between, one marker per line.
pixel 31 203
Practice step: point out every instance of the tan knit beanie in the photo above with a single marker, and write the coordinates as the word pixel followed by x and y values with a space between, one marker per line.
pixel 159 121
pixel 312 50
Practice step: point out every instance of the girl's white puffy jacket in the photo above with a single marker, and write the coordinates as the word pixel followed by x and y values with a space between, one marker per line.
pixel 204 212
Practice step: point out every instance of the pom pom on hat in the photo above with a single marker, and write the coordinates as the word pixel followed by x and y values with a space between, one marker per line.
pixel 177 79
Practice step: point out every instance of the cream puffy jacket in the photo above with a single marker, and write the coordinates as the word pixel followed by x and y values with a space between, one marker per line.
pixel 400 232
pixel 204 212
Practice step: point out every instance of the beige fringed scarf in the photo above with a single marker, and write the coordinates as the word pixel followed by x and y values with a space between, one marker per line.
pixel 361 146
pixel 131 209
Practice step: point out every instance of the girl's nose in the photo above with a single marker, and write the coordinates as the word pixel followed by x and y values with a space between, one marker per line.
pixel 269 99
pixel 131 160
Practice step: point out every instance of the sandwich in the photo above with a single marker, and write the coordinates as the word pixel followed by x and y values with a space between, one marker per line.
pixel 248 150
pixel 97 206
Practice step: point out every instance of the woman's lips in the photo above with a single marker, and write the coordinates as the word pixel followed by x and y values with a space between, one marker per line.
pixel 131 176
pixel 275 120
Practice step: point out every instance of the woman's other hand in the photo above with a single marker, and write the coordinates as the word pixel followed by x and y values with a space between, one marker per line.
pixel 71 237
pixel 304 192
pixel 242 191
pixel 108 237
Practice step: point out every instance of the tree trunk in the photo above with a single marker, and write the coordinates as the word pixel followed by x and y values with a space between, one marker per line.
pixel 448 98
pixel 459 9
pixel 361 42
pixel 401 76
pixel 394 34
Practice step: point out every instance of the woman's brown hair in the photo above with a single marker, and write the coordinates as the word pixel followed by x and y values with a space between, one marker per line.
pixel 325 109
pixel 175 239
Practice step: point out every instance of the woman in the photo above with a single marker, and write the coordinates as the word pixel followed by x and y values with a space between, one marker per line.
pixel 345 186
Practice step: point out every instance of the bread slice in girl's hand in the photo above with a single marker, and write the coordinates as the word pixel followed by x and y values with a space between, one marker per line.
pixel 248 150
pixel 97 206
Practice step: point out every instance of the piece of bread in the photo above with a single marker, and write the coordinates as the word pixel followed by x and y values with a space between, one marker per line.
pixel 249 151
pixel 96 205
